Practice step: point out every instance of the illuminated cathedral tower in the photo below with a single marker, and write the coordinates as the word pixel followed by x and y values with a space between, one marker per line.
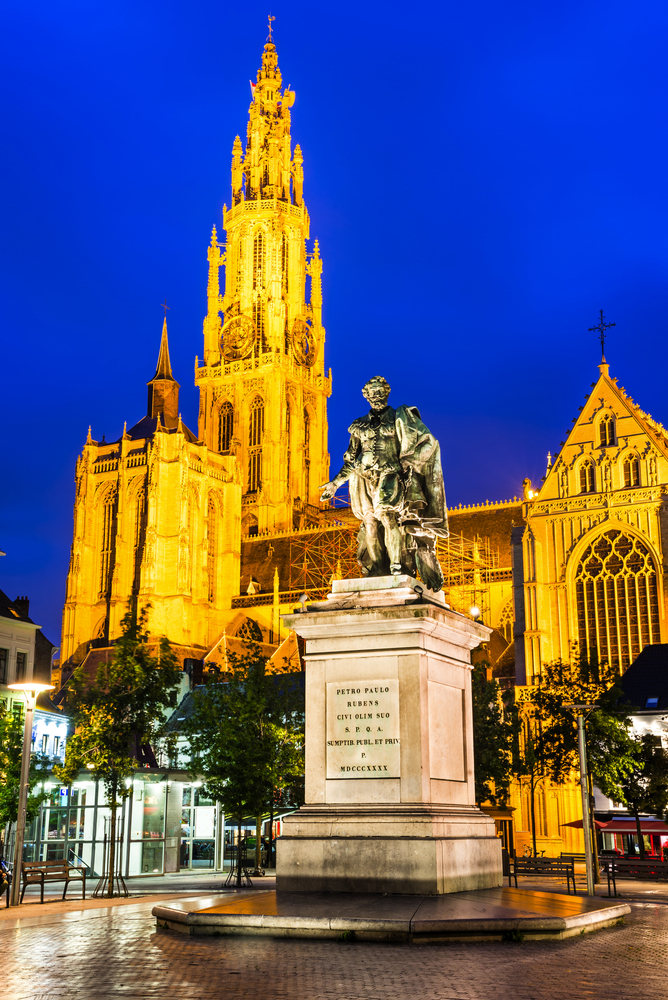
pixel 160 511
pixel 263 388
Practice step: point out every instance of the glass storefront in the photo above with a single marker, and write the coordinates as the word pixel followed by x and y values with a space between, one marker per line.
pixel 198 829
pixel 164 824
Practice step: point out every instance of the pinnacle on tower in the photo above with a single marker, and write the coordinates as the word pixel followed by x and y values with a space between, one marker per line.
pixel 163 389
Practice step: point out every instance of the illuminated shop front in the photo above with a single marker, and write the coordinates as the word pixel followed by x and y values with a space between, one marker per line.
pixel 164 824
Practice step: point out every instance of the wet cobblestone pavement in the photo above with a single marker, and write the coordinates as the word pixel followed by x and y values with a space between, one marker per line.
pixel 116 952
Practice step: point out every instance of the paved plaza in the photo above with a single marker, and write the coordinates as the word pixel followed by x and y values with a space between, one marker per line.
pixel 115 952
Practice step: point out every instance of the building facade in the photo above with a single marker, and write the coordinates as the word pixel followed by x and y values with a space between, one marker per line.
pixel 590 561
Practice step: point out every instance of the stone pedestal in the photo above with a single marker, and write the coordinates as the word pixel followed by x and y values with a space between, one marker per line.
pixel 390 799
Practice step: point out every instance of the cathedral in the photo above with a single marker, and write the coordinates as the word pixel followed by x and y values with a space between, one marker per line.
pixel 220 531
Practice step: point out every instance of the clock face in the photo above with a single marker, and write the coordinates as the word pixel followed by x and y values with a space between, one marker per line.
pixel 238 338
pixel 303 342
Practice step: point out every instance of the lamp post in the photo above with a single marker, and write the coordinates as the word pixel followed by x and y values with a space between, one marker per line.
pixel 584 788
pixel 30 691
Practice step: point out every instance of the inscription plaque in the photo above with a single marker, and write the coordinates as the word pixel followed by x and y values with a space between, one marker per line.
pixel 363 729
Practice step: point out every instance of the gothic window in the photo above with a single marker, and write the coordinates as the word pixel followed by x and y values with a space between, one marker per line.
pixel 211 551
pixel 139 538
pixel 606 430
pixel 240 259
pixel 255 436
pixel 307 432
pixel 258 262
pixel 258 319
pixel 285 260
pixel 108 541
pixel 250 631
pixel 307 460
pixel 587 477
pixel 506 620
pixel 225 427
pixel 287 436
pixel 617 600
pixel 632 471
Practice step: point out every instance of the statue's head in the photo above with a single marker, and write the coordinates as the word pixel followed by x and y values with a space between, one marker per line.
pixel 376 391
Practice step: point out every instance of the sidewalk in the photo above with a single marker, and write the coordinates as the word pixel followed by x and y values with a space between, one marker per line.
pixel 154 888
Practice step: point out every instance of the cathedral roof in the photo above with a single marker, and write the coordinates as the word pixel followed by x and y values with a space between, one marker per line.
pixel 146 428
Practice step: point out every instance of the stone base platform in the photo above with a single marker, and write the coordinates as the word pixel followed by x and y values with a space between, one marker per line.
pixel 481 915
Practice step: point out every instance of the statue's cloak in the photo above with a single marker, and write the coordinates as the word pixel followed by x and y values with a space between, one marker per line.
pixel 409 445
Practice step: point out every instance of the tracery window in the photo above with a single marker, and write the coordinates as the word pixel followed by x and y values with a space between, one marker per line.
pixel 285 261
pixel 587 477
pixel 606 430
pixel 225 426
pixel 632 471
pixel 258 262
pixel 211 551
pixel 139 538
pixel 258 319
pixel 617 599
pixel 287 435
pixel 255 436
pixel 506 621
pixel 307 460
pixel 250 631
pixel 108 545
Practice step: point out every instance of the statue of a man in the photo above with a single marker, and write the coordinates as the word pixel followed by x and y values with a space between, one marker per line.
pixel 393 465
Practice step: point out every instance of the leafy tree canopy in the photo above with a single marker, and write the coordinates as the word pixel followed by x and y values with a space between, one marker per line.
pixel 494 736
pixel 247 733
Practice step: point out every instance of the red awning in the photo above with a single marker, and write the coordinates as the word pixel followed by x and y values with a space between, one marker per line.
pixel 578 824
pixel 629 826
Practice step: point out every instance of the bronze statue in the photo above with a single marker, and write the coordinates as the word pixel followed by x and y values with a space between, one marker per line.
pixel 393 465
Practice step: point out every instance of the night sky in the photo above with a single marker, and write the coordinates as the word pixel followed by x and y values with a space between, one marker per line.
pixel 482 178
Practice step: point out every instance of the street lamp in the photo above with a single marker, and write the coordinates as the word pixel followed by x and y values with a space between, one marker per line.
pixel 30 691
pixel 584 788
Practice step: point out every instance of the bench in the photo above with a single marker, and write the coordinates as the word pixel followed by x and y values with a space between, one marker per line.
pixel 41 872
pixel 544 868
pixel 643 871
pixel 570 856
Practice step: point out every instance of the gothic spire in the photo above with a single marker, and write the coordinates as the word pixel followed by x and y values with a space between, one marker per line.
pixel 164 369
pixel 163 389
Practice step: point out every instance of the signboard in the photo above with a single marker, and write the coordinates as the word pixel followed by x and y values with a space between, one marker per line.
pixel 363 729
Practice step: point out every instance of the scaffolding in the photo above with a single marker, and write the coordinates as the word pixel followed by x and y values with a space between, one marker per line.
pixel 468 566
pixel 318 557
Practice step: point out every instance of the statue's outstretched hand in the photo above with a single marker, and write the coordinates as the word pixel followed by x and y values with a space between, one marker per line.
pixel 328 491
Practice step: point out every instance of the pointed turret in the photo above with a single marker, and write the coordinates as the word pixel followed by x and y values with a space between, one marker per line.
pixel 163 389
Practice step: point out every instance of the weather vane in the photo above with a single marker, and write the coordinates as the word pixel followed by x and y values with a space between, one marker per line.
pixel 269 38
pixel 601 329
pixel 165 307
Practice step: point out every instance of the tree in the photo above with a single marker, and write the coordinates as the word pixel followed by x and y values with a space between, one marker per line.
pixel 495 726
pixel 119 712
pixel 247 735
pixel 11 750
pixel 549 749
pixel 645 788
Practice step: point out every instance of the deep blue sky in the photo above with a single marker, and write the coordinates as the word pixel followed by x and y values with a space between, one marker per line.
pixel 482 177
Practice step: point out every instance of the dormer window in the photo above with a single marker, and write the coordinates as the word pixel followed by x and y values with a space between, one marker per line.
pixel 652 703
pixel 632 471
pixel 606 431
pixel 587 477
